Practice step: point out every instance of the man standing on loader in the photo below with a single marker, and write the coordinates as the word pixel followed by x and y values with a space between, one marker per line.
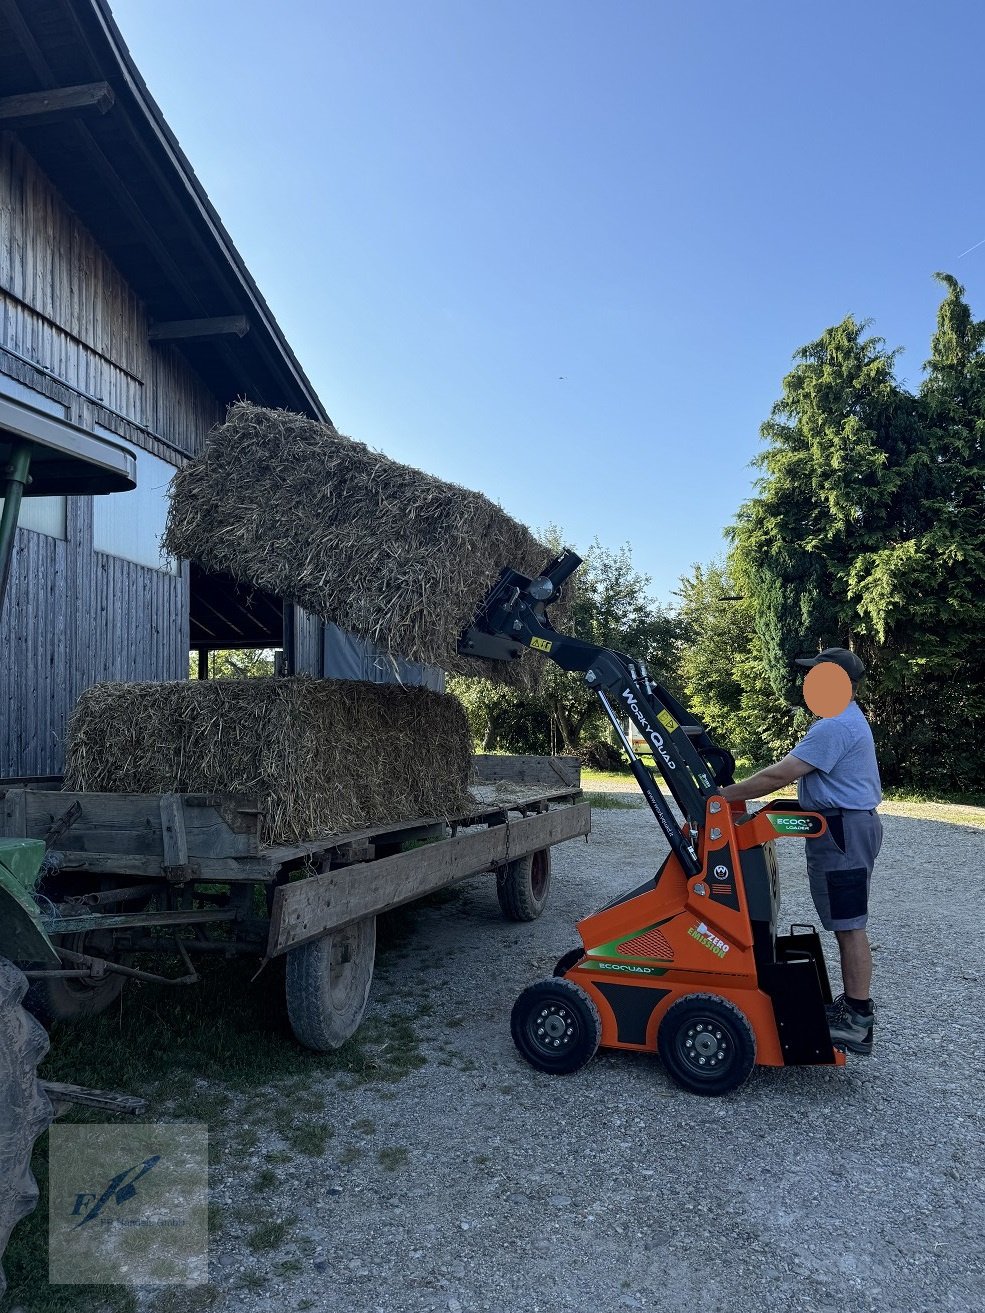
pixel 835 768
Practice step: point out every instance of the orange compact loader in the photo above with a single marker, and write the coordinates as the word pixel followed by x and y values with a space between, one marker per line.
pixel 689 965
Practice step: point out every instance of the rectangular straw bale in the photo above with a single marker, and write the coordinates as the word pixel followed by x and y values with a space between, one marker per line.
pixel 291 506
pixel 323 756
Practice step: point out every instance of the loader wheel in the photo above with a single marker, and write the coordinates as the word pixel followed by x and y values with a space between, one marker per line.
pixel 707 1044
pixel 556 1026
pixel 24 1107
pixel 523 886
pixel 72 998
pixel 328 984
pixel 567 961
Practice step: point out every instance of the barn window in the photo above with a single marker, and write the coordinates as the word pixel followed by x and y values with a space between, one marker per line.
pixel 131 524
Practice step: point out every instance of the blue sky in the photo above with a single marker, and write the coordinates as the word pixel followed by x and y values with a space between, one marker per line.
pixel 563 252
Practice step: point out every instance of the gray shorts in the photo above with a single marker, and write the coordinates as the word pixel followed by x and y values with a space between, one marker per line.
pixel 839 867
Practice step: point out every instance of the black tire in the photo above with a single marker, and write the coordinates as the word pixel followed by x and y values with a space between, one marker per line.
pixel 523 886
pixel 328 983
pixel 25 1111
pixel 567 961
pixel 556 1026
pixel 707 1044
pixel 75 998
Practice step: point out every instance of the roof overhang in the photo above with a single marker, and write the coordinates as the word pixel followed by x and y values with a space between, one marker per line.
pixel 119 166
pixel 65 460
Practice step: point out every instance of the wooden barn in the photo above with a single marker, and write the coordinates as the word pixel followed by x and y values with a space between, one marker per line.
pixel 126 314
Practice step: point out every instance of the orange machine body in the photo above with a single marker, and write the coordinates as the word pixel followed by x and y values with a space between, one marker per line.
pixel 714 933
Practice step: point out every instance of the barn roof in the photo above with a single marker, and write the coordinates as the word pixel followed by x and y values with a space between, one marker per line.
pixel 102 140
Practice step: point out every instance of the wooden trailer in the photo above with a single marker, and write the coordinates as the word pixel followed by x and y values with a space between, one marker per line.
pixel 128 874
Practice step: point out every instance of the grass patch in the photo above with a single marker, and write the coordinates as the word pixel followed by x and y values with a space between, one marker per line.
pixel 265 1179
pixel 392 1157
pixel 268 1235
pixel 309 1140
pixel 613 802
pixel 350 1154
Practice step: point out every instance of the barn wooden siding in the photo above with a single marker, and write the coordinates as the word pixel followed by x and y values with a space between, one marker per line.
pixel 73 331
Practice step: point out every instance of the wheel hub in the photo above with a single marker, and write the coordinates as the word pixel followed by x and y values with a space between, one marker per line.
pixel 705 1046
pixel 554 1027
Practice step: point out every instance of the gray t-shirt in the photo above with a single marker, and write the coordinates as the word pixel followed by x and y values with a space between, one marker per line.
pixel 843 754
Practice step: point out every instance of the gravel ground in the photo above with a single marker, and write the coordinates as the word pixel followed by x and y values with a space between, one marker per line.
pixel 476 1183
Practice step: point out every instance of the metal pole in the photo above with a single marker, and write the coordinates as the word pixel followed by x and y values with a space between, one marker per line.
pixel 289 661
pixel 18 476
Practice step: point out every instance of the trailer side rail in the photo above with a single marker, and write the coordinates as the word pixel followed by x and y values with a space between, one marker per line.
pixel 306 909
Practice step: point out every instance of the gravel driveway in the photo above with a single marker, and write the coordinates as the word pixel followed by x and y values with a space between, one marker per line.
pixel 476 1183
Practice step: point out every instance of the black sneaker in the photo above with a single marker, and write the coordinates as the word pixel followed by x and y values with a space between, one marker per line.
pixel 832 1008
pixel 850 1030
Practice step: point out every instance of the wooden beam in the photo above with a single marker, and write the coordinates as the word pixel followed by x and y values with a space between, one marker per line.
pixel 44 106
pixel 308 908
pixel 178 328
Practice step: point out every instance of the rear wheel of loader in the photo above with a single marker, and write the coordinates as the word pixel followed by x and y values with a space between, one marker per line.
pixel 328 983
pixel 707 1044
pixel 25 1111
pixel 567 960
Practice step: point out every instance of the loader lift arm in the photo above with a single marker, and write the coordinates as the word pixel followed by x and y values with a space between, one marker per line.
pixel 513 617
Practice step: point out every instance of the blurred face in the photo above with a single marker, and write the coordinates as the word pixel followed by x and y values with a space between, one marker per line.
pixel 827 689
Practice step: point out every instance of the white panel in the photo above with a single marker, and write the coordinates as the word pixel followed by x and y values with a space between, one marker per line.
pixel 131 524
pixel 43 515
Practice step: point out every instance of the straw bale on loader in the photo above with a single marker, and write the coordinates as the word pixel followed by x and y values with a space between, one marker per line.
pixel 289 505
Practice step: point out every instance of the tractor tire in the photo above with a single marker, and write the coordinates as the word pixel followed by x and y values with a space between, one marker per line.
pixel 523 886
pixel 707 1044
pixel 556 1026
pixel 25 1111
pixel 328 983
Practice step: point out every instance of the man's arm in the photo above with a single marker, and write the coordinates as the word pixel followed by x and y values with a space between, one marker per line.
pixel 768 780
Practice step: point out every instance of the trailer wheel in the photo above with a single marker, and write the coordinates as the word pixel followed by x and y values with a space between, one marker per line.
pixel 328 984
pixel 71 998
pixel 556 1026
pixel 523 886
pixel 707 1044
pixel 24 1107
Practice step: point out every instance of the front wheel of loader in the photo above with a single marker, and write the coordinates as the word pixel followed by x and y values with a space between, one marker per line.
pixel 556 1026
pixel 328 983
pixel 707 1044
pixel 523 885
pixel 25 1111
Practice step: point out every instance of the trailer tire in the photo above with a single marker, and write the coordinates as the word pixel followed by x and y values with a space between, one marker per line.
pixel 328 983
pixel 25 1111
pixel 523 886
pixel 73 998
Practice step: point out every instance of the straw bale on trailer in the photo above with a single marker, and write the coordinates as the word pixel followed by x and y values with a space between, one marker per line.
pixel 386 552
pixel 322 756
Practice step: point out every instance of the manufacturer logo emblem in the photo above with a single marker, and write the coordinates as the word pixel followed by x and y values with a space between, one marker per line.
pixel 720 872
